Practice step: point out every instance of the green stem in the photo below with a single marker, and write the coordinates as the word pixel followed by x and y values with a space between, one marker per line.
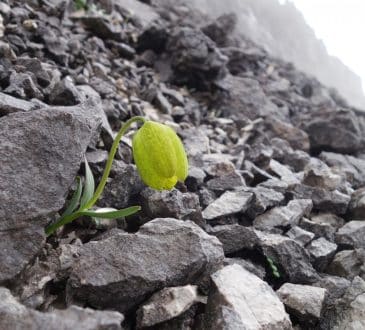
pixel 109 162
pixel 69 218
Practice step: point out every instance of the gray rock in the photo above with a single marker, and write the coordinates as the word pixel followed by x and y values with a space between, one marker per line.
pixel 338 131
pixel 233 302
pixel 23 86
pixel 353 168
pixel 230 202
pixel 230 181
pixel 264 198
pixel 64 93
pixel 289 255
pixel 321 252
pixel 318 174
pixel 9 104
pixel 46 151
pixel 347 312
pixel 348 263
pixel 247 264
pixel 16 316
pixel 125 183
pixel 300 235
pixel 323 200
pixel 221 28
pixel 318 229
pixel 195 178
pixel 244 98
pixel 195 58
pixel 167 304
pixel 284 216
pixel 283 172
pixel 235 237
pixel 357 204
pixel 122 270
pixel 143 13
pixel 303 301
pixel 352 234
pixel 171 203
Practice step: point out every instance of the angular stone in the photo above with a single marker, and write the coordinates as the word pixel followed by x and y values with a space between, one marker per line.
pixel 220 29
pixel 264 199
pixel 166 304
pixel 233 302
pixel 323 200
pixel 64 93
pixel 244 98
pixel 247 264
pixel 16 316
pixel 9 104
pixel 283 172
pixel 195 58
pixel 303 301
pixel 290 256
pixel 122 270
pixel 125 184
pixel 357 204
pixel 348 263
pixel 230 181
pixel 173 204
pixel 337 131
pixel 46 151
pixel 321 252
pixel 235 237
pixel 352 234
pixel 347 312
pixel 284 216
pixel 318 229
pixel 353 168
pixel 230 202
pixel 300 235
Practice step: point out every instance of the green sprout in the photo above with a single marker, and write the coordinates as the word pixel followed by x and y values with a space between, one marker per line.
pixel 161 162
pixel 273 267
pixel 81 4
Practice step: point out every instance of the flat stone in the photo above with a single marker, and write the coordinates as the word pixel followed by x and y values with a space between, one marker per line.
pixel 166 304
pixel 235 237
pixel 318 229
pixel 352 234
pixel 230 202
pixel 122 270
pixel 47 147
pixel 321 252
pixel 17 316
pixel 233 302
pixel 247 264
pixel 284 216
pixel 10 104
pixel 303 301
pixel 289 255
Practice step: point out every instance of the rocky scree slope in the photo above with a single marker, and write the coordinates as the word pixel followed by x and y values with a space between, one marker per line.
pixel 267 231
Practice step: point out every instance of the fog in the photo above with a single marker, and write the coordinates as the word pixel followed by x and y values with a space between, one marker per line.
pixel 285 32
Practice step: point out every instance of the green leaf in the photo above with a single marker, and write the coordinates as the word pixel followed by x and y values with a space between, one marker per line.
pixel 75 199
pixel 89 186
pixel 101 213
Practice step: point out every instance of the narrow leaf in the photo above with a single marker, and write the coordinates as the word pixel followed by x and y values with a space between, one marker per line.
pixel 112 214
pixel 75 199
pixel 89 186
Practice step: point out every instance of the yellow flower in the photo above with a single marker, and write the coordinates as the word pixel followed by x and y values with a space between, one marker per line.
pixel 159 156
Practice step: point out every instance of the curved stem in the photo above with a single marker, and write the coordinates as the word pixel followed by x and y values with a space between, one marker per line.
pixel 61 222
pixel 109 162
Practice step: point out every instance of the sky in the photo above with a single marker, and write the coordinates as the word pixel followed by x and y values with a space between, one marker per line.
pixel 341 26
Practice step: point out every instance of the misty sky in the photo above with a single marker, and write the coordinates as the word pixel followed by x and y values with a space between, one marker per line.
pixel 341 25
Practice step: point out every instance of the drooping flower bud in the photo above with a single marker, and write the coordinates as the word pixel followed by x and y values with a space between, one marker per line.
pixel 159 156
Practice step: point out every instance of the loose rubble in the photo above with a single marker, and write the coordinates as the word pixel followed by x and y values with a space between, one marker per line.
pixel 272 212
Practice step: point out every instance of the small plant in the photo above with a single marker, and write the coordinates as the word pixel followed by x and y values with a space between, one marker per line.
pixel 161 162
pixel 274 269
pixel 81 4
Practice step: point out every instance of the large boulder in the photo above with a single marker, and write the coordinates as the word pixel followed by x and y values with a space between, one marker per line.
pixel 122 270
